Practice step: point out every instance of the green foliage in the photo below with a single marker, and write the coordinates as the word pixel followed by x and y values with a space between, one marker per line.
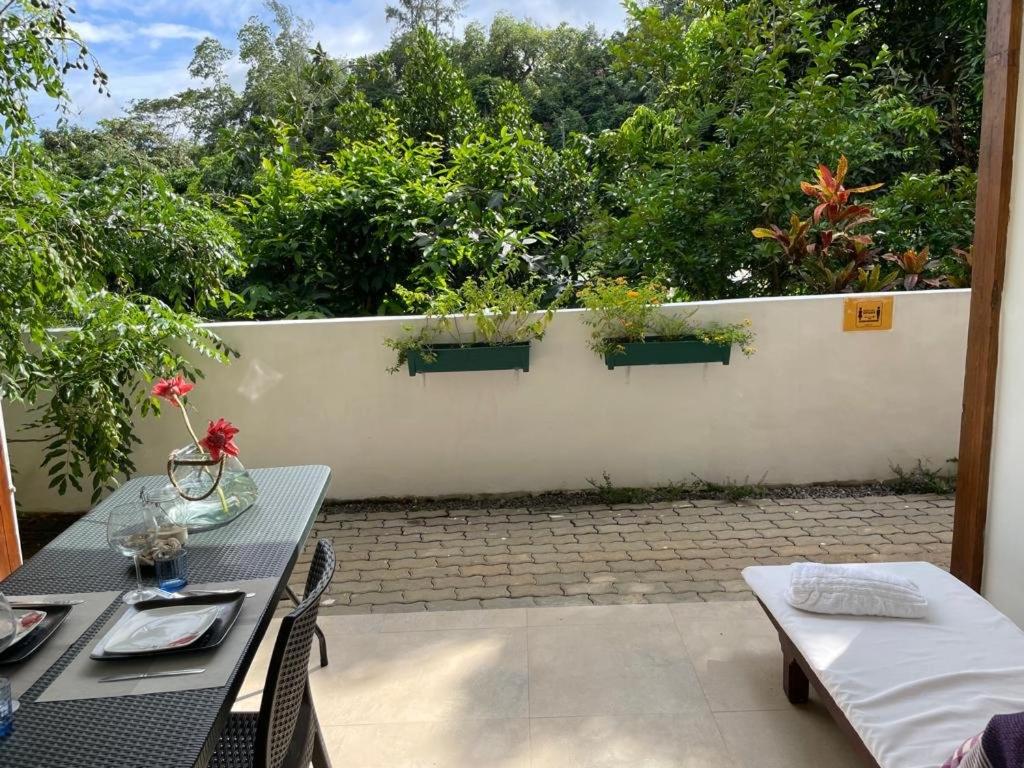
pixel 620 312
pixel 96 378
pixel 940 46
pixel 830 251
pixel 119 143
pixel 750 95
pixel 496 310
pixel 434 102
pixel 337 239
pixel 565 75
pixel 58 254
pixel 37 48
pixel 933 210
pixel 923 478
pixel 609 493
pixel 153 241
pixel 75 248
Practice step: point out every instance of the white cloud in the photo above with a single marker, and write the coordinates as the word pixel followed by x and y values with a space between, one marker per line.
pixel 102 33
pixel 167 31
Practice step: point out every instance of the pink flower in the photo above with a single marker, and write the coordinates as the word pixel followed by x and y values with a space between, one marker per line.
pixel 220 439
pixel 171 389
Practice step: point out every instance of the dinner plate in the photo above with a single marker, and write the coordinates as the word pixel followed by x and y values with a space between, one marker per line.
pixel 31 641
pixel 161 629
pixel 176 625
pixel 26 620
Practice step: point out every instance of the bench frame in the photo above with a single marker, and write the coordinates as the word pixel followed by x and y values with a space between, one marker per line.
pixel 797 677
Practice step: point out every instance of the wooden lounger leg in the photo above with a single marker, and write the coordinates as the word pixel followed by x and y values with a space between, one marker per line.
pixel 794 681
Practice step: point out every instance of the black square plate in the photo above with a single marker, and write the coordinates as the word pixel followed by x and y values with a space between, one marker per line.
pixel 229 603
pixel 39 634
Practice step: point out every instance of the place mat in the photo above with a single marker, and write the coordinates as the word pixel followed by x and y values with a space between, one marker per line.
pixel 80 679
pixel 24 674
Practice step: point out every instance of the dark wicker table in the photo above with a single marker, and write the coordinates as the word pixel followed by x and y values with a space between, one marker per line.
pixel 163 730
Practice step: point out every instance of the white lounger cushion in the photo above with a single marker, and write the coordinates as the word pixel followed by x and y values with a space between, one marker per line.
pixel 854 591
pixel 914 690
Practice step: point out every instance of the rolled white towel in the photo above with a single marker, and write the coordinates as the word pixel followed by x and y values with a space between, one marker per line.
pixel 855 590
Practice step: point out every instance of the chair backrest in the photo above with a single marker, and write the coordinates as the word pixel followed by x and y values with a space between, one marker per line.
pixel 285 718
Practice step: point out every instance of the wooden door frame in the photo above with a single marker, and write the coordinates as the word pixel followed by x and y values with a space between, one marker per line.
pixel 10 542
pixel 992 216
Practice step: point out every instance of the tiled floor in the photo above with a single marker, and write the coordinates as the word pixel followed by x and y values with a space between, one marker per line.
pixel 401 557
pixel 692 685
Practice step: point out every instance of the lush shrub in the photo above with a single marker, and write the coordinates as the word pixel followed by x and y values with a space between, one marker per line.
pixel 933 210
pixel 337 238
pixel 751 95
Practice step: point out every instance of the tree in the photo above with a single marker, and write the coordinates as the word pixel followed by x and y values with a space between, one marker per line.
pixel 434 101
pixel 116 143
pixel 566 75
pixel 750 98
pixel 66 249
pixel 439 16
pixel 37 48
pixel 940 44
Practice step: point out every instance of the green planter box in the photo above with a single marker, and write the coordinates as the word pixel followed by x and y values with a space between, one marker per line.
pixel 472 357
pixel 656 351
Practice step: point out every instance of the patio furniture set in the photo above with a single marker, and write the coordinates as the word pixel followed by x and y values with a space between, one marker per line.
pixel 153 714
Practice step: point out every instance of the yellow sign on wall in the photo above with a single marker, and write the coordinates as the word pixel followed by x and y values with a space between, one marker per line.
pixel 868 314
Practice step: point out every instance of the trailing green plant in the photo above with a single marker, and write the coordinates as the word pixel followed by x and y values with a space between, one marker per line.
pixel 620 312
pixel 491 311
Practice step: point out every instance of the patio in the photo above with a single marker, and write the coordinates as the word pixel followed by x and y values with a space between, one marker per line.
pixel 411 557
pixel 660 686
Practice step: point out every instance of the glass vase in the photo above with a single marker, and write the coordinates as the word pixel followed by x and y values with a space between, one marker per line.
pixel 212 492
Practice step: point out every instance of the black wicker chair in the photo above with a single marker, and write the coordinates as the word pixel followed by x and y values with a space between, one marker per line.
pixel 285 732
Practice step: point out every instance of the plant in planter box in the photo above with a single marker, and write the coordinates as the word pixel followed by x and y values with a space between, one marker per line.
pixel 629 329
pixel 484 325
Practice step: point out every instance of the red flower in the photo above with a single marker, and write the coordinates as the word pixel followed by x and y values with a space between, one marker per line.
pixel 169 389
pixel 220 439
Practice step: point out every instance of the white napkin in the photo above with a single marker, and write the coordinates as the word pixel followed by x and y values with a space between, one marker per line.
pixel 855 590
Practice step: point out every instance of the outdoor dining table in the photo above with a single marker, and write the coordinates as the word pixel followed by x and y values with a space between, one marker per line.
pixel 156 730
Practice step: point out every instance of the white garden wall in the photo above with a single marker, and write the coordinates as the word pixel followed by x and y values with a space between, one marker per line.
pixel 814 404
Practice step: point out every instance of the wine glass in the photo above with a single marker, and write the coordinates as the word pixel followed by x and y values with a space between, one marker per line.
pixel 132 530
pixel 8 631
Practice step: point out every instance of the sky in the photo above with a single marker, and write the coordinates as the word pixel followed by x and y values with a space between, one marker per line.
pixel 145 45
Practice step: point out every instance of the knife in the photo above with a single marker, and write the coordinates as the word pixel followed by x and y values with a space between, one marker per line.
pixel 147 675
pixel 16 602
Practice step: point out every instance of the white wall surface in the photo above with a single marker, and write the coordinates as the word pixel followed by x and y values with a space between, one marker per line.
pixel 1003 582
pixel 814 404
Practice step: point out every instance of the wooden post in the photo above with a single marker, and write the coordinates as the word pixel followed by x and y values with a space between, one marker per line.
pixel 995 173
pixel 10 543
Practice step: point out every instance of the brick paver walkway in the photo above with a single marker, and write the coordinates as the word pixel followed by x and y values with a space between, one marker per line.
pixel 407 559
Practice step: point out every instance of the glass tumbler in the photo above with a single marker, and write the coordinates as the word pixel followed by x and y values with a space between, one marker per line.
pixel 171 569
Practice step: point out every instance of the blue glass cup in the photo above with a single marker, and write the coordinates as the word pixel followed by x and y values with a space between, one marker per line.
pixel 6 708
pixel 171 569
